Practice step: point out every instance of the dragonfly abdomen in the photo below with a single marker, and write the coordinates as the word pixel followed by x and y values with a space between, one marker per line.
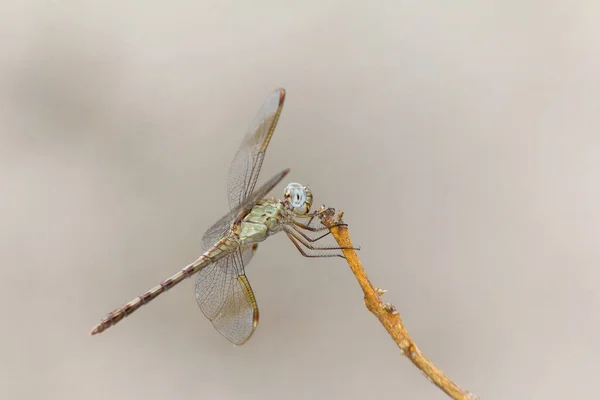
pixel 117 315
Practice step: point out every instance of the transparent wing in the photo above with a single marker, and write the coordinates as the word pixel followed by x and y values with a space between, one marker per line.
pixel 248 253
pixel 223 226
pixel 226 298
pixel 246 164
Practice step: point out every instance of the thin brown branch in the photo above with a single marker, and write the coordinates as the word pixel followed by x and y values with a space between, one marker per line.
pixel 386 313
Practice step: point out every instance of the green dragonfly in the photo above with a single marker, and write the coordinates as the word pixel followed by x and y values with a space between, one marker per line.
pixel 222 289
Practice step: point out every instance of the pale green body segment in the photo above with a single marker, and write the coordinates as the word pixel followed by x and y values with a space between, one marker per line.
pixel 263 221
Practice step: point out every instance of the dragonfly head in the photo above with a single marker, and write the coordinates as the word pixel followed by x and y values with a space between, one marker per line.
pixel 297 198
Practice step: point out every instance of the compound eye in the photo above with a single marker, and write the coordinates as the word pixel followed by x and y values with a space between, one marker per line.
pixel 297 195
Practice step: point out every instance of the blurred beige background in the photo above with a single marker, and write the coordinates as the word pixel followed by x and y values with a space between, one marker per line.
pixel 461 139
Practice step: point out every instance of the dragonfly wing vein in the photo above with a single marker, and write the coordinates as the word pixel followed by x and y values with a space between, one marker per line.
pixel 226 298
pixel 247 162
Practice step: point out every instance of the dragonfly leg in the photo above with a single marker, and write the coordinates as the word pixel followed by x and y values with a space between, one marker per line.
pixel 293 239
pixel 311 247
pixel 305 236
pixel 311 220
pixel 310 228
pixel 318 213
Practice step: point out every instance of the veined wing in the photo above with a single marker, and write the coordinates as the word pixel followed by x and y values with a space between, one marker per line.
pixel 247 162
pixel 222 226
pixel 226 298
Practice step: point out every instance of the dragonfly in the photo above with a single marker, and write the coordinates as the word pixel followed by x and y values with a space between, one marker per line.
pixel 222 289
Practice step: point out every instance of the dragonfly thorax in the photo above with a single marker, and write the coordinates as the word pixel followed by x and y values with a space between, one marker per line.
pixel 297 198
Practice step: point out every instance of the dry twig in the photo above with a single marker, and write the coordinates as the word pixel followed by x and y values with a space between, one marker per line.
pixel 386 313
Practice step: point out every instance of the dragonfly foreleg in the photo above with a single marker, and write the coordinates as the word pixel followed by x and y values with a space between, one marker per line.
pixel 313 215
pixel 294 241
pixel 316 214
pixel 310 246
pixel 310 228
pixel 305 236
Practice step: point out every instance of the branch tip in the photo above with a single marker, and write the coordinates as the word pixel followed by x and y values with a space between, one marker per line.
pixel 387 313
